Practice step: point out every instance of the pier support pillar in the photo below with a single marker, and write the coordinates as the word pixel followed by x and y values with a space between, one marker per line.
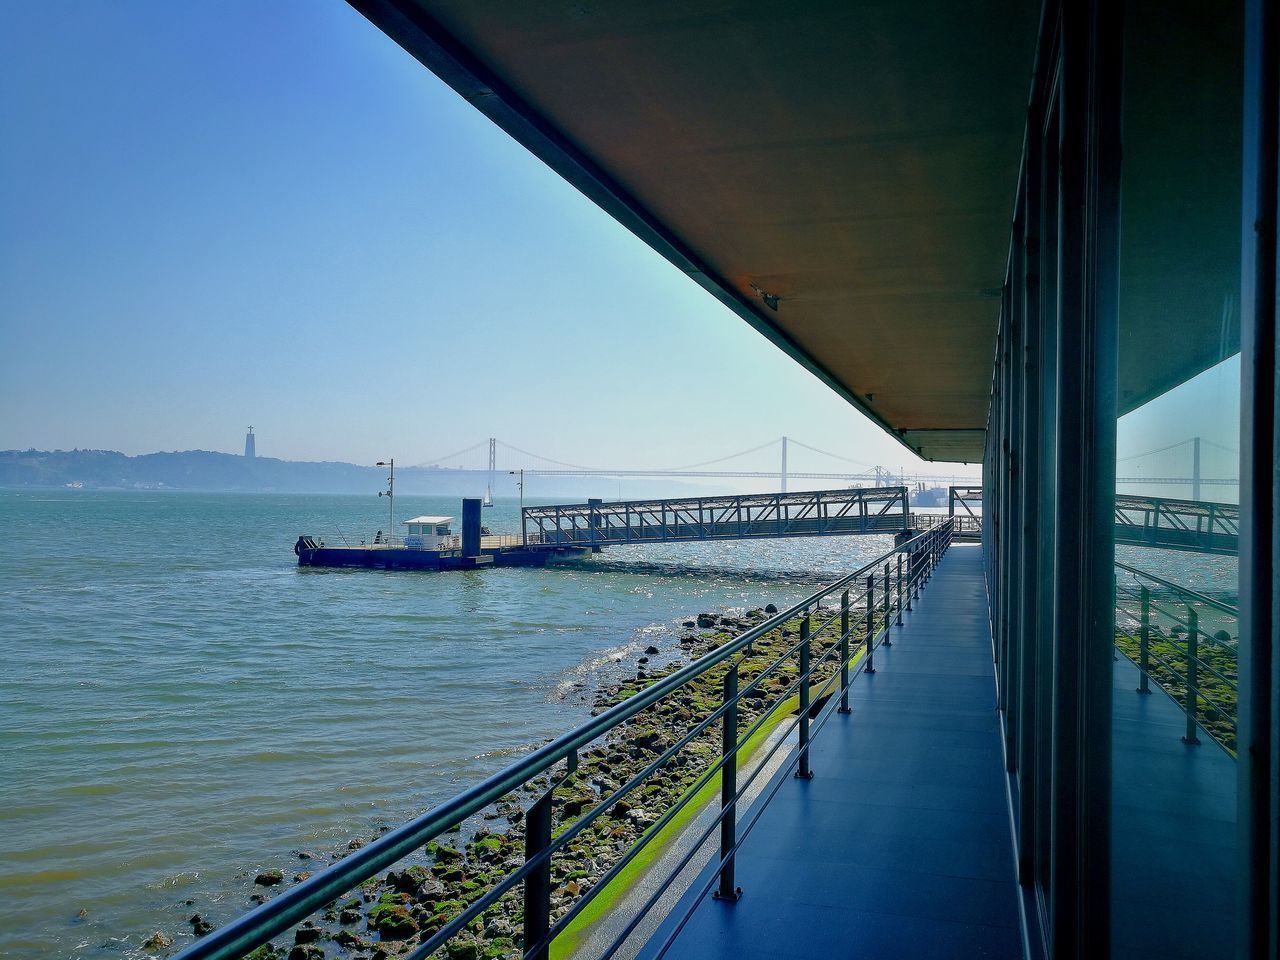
pixel 594 503
pixel 471 527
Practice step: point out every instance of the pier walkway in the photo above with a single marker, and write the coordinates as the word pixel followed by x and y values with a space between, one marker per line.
pixel 900 845
pixel 744 517
pixel 1187 525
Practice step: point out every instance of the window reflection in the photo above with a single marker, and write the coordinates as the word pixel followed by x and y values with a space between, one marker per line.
pixel 1177 580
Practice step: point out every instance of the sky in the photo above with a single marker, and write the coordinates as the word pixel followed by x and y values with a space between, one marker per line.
pixel 216 215
pixel 1152 441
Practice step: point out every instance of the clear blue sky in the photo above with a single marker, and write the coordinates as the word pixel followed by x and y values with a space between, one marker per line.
pixel 244 212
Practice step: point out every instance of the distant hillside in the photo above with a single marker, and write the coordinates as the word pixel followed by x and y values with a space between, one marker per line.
pixel 202 470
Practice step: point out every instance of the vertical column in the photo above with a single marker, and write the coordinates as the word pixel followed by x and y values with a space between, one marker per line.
pixel 728 890
pixel 888 599
pixel 1088 178
pixel 1144 641
pixel 804 773
pixel 493 473
pixel 1020 719
pixel 1193 675
pixel 537 885
pixel 1195 468
pixel 1258 763
pixel 871 624
pixel 471 527
pixel 900 586
pixel 593 522
pixel 844 652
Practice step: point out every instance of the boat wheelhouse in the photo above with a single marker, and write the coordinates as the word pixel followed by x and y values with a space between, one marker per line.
pixel 428 533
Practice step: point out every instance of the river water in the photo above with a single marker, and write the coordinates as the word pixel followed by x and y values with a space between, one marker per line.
pixel 180 704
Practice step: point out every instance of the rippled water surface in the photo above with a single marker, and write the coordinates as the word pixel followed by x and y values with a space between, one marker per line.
pixel 179 703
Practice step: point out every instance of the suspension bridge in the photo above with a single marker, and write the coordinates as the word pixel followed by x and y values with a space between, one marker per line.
pixel 506 458
pixel 1175 464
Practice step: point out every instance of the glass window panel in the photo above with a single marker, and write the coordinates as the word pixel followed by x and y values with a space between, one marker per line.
pixel 1174 682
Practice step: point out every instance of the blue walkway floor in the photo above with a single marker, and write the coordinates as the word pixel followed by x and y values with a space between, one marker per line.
pixel 1173 831
pixel 900 844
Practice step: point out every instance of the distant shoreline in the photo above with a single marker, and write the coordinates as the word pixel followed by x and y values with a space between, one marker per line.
pixel 204 471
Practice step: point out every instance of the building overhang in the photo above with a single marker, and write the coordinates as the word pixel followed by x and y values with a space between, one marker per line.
pixel 839 175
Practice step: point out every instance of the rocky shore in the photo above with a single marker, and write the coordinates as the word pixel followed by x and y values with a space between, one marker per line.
pixel 388 915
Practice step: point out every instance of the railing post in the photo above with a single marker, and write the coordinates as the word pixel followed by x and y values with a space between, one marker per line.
pixel 899 589
pixel 871 622
pixel 1144 641
pixel 537 885
pixel 911 580
pixel 1193 674
pixel 923 565
pixel 804 773
pixel 729 789
pixel 888 597
pixel 844 652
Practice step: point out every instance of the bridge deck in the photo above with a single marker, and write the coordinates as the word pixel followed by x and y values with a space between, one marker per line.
pixel 900 845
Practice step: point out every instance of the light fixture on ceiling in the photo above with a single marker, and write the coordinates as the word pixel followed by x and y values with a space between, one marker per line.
pixel 770 299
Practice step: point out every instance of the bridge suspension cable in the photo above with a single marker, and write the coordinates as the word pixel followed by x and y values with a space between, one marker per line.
pixel 732 456
pixel 1149 453
pixel 538 456
pixel 658 470
pixel 828 453
pixel 693 466
pixel 436 461
pixel 1220 446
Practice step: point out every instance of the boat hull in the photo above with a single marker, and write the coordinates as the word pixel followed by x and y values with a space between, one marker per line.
pixel 404 558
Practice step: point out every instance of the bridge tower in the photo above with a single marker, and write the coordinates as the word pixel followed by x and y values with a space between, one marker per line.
pixel 1195 468
pixel 782 476
pixel 488 490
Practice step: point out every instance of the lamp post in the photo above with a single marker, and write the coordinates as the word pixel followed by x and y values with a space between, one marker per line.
pixel 524 536
pixel 390 494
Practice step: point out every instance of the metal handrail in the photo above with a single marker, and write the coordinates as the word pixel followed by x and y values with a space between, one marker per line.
pixel 370 543
pixel 1170 615
pixel 488 541
pixel 1185 591
pixel 1188 674
pixel 963 524
pixel 259 925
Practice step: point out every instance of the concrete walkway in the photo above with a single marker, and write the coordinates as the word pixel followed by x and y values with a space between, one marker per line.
pixel 900 844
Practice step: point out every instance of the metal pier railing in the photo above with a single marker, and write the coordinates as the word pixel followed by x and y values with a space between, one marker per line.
pixel 738 517
pixel 1190 525
pixel 1162 628
pixel 840 628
